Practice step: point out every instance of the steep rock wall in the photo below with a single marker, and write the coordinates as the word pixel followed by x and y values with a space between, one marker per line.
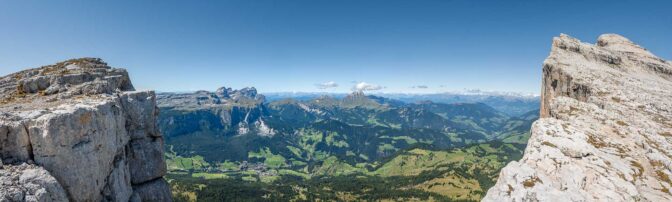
pixel 81 122
pixel 606 127
pixel 225 111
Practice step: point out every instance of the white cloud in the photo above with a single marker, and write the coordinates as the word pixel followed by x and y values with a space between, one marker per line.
pixel 326 85
pixel 420 86
pixel 363 86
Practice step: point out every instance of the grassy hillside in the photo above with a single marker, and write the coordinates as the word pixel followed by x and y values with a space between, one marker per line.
pixel 356 148
pixel 414 174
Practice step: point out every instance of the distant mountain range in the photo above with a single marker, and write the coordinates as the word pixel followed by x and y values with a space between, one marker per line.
pixel 510 103
pixel 242 138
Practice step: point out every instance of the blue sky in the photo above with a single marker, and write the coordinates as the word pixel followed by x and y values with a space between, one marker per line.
pixel 294 45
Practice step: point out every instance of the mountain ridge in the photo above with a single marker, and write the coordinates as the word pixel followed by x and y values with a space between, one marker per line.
pixel 604 129
pixel 330 140
pixel 512 105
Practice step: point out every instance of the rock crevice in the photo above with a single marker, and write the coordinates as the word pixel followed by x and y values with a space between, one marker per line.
pixel 81 124
pixel 605 132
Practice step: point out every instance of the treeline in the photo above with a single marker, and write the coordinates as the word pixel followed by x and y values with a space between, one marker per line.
pixel 329 188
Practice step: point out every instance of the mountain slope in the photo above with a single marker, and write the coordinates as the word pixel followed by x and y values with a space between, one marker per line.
pixel 604 132
pixel 328 141
pixel 358 120
pixel 416 174
pixel 517 129
pixel 510 104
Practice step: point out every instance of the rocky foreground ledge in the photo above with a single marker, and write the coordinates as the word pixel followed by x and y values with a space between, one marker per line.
pixel 605 132
pixel 78 131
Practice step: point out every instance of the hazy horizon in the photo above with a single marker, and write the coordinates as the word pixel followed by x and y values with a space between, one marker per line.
pixel 461 92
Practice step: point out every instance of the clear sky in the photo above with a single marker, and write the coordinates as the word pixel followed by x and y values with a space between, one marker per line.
pixel 399 46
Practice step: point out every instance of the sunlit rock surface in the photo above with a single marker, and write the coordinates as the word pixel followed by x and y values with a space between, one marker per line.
pixel 81 123
pixel 224 111
pixel 605 131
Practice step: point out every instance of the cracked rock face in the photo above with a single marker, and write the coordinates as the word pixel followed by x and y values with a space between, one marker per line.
pixel 81 123
pixel 605 132
pixel 29 183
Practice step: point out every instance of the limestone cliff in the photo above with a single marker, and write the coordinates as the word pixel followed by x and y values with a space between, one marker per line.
pixel 79 130
pixel 225 111
pixel 605 132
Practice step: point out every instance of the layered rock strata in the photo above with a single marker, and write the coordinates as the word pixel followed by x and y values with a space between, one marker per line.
pixel 81 123
pixel 605 132
pixel 225 111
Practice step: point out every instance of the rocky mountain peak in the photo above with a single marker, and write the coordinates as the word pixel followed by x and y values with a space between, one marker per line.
pixel 223 91
pixel 77 131
pixel 223 96
pixel 356 96
pixel 248 92
pixel 63 81
pixel 606 127
pixel 358 93
pixel 358 99
pixel 619 43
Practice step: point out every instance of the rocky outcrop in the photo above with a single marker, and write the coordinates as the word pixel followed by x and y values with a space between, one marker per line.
pixel 605 132
pixel 224 111
pixel 81 123
pixel 29 183
pixel 203 99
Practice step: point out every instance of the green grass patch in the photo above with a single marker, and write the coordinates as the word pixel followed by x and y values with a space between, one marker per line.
pixel 209 176
pixel 271 160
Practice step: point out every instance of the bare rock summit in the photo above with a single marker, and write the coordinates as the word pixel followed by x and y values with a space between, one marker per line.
pixel 78 131
pixel 605 132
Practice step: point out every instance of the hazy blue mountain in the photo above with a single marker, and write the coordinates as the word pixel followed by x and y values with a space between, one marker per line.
pixel 512 104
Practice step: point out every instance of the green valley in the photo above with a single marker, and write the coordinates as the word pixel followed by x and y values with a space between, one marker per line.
pixel 423 174
pixel 233 145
